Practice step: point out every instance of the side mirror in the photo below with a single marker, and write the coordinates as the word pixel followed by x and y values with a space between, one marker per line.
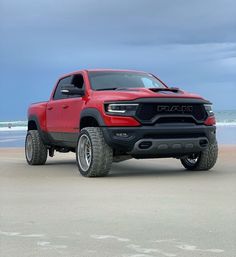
pixel 70 89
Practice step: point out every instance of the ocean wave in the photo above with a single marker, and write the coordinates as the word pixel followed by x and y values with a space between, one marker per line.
pixel 17 128
pixel 18 125
pixel 226 124
pixel 13 123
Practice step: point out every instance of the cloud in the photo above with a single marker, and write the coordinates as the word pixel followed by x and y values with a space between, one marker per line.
pixel 132 22
pixel 191 43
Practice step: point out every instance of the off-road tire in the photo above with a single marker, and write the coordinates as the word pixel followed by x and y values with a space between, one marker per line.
pixel 206 159
pixel 101 153
pixel 39 150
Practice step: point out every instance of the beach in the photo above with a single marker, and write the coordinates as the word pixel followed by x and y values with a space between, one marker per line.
pixel 144 208
pixel 109 80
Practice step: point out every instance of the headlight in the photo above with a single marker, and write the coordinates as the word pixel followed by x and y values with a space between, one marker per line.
pixel 208 108
pixel 121 108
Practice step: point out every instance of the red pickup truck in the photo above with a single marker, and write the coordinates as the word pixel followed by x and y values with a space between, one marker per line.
pixel 113 115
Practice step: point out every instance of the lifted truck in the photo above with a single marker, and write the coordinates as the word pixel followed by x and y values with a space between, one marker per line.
pixel 113 115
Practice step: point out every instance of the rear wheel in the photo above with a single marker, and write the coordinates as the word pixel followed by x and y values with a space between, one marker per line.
pixel 35 150
pixel 204 160
pixel 94 157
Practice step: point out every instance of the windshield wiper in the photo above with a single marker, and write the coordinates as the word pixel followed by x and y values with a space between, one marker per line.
pixel 126 88
pixel 114 88
pixel 111 88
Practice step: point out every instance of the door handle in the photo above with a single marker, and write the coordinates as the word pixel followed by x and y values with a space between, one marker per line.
pixel 50 108
pixel 65 106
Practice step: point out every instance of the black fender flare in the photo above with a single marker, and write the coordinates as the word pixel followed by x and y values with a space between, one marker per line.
pixel 92 112
pixel 43 135
pixel 35 119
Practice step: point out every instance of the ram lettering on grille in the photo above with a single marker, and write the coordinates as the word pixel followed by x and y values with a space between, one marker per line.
pixel 175 108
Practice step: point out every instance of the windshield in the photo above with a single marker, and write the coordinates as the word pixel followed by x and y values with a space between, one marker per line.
pixel 111 80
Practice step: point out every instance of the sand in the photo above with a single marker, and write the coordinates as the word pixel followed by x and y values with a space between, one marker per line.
pixel 144 208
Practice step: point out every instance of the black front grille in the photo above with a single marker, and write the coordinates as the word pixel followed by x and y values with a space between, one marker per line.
pixel 149 111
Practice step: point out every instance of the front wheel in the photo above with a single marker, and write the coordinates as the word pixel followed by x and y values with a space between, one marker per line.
pixel 94 157
pixel 204 160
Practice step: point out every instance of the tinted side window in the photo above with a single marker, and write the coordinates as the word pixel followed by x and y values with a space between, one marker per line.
pixel 78 81
pixel 62 82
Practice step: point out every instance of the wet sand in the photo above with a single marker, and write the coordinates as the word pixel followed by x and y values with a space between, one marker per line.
pixel 144 208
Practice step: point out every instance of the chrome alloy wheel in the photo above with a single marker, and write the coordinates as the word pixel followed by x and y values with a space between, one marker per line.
pixel 29 147
pixel 84 152
pixel 192 159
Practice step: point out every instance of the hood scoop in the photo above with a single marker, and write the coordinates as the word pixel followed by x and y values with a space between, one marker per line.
pixel 166 91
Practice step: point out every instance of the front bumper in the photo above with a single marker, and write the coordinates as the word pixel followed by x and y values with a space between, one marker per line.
pixel 160 140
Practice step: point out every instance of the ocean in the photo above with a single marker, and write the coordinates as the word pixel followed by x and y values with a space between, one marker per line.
pixel 12 133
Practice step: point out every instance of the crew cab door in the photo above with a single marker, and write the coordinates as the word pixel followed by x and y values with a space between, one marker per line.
pixel 63 112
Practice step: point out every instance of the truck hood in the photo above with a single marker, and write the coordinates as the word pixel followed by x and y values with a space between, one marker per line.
pixel 135 93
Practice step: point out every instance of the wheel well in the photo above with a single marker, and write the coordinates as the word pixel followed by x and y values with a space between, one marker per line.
pixel 88 122
pixel 32 125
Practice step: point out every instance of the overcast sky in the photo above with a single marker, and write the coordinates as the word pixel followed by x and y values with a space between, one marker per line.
pixel 187 43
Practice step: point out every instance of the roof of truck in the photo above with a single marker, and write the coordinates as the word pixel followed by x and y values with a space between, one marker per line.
pixel 114 70
pixel 101 70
